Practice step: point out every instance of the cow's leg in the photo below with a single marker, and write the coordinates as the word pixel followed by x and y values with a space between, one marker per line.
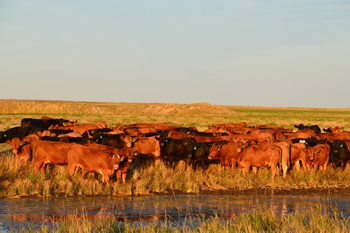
pixel 124 177
pixel 273 171
pixel 38 165
pixel 297 165
pixel 255 170
pixel 71 169
pixel 245 169
pixel 119 176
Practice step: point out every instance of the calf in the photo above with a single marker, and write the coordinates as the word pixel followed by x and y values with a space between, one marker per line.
pixel 92 160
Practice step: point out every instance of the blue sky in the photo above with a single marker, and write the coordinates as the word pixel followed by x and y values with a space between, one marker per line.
pixel 258 53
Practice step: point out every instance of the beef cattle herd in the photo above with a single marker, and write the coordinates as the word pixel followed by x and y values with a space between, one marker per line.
pixel 110 150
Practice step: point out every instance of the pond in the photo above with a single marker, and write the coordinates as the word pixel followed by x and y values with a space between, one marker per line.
pixel 21 213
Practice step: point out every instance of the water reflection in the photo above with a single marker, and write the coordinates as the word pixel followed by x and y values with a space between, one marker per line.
pixel 172 208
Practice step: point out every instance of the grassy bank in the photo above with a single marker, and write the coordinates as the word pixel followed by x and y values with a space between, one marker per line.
pixel 264 220
pixel 18 180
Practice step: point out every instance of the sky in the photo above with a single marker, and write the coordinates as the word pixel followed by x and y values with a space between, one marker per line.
pixel 286 53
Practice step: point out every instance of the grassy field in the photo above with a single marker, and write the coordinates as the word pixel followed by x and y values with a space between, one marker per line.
pixel 17 180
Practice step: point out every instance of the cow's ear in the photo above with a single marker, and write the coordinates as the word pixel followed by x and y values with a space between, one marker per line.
pixel 8 141
pixel 122 137
pixel 135 139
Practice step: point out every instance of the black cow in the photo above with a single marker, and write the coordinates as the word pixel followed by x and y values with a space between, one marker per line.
pixel 315 128
pixel 18 132
pixel 44 123
pixel 176 150
pixel 309 141
pixel 339 155
pixel 116 140
pixel 201 153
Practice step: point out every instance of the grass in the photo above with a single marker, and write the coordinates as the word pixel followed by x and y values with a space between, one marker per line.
pixel 18 180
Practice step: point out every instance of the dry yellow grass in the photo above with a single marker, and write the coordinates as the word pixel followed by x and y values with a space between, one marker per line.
pixel 200 115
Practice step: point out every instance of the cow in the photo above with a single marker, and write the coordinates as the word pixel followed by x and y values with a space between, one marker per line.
pixel 176 150
pixel 81 128
pixel 19 132
pixel 21 149
pixel 339 154
pixel 314 128
pixel 92 160
pixel 115 140
pixel 286 151
pixel 49 152
pixel 309 141
pixel 318 156
pixel 290 136
pixel 227 153
pixel 258 156
pixel 298 154
pixel 336 129
pixel 124 164
pixel 148 147
pixel 45 122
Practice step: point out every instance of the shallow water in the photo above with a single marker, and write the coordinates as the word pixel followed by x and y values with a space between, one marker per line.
pixel 21 213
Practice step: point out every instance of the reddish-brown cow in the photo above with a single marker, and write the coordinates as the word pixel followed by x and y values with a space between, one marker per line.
pixel 318 156
pixel 298 154
pixel 48 152
pixel 81 128
pixel 260 156
pixel 92 160
pixel 148 147
pixel 285 163
pixel 20 149
pixel 227 153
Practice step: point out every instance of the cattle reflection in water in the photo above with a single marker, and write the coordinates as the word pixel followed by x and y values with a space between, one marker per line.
pixel 175 209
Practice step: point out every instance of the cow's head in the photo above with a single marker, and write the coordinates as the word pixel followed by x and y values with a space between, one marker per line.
pixel 15 143
pixel 128 140
pixel 312 153
pixel 214 151
pixel 115 160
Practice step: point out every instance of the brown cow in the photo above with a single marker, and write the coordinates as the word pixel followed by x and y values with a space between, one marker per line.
pixel 20 149
pixel 285 147
pixel 298 154
pixel 227 153
pixel 318 156
pixel 23 148
pixel 48 152
pixel 260 156
pixel 81 128
pixel 92 160
pixel 148 147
